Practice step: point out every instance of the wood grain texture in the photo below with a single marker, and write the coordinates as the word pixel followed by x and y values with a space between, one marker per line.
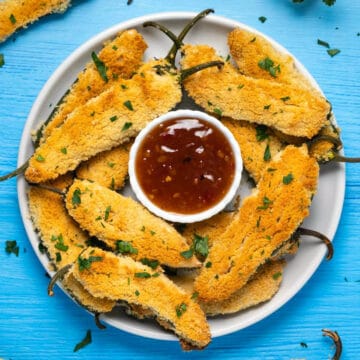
pixel 34 326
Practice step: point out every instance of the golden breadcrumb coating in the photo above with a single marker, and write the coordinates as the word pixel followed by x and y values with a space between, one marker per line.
pixel 213 227
pixel 265 221
pixel 112 217
pixel 255 145
pixel 106 121
pixel 290 109
pixel 16 14
pixel 59 233
pixel 248 49
pixel 109 168
pixel 122 56
pixel 84 298
pixel 260 288
pixel 121 278
pixel 323 150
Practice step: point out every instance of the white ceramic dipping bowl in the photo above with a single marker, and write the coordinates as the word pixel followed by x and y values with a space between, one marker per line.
pixel 179 217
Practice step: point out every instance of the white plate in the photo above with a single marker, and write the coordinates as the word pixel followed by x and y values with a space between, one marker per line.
pixel 325 210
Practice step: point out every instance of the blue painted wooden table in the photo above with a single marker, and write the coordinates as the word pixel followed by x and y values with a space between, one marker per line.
pixel 35 326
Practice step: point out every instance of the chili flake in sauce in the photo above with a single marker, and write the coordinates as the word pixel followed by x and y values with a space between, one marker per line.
pixel 185 165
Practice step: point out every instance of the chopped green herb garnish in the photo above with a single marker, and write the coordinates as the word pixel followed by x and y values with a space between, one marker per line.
pixel 128 104
pixel 180 309
pixel 143 274
pixel 262 19
pixel 86 263
pixel 137 292
pixel 201 246
pixel 142 228
pixel 113 118
pixel 329 2
pixel 261 133
pixel 267 153
pixel 107 212
pixel 40 158
pixel 125 247
pixel 194 295
pixel 152 232
pixel 269 65
pixel 266 203
pixel 333 52
pixel 85 341
pixel 64 150
pixel 276 275
pixel 285 98
pixel 114 47
pixel 228 58
pixel 151 263
pixel 2 60
pixel 187 254
pixel 112 184
pixel 288 178
pixel 57 257
pixel 123 86
pixel 271 169
pixel 11 247
pixel 76 199
pixel 267 107
pixel 100 66
pixel 126 126
pixel 253 39
pixel 61 246
pixel 208 264
pixel 323 43
pixel 12 19
pixel 218 111
pixel 110 164
pixel 240 86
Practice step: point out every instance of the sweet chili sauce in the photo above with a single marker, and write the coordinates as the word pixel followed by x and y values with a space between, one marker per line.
pixel 185 165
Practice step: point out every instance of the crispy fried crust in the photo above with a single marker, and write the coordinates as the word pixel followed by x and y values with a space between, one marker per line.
pixel 252 149
pixel 122 56
pixel 255 100
pixel 54 225
pixel 213 227
pixel 16 14
pixel 108 120
pixel 117 278
pixel 260 288
pixel 84 298
pixel 111 217
pixel 248 49
pixel 266 220
pixel 109 169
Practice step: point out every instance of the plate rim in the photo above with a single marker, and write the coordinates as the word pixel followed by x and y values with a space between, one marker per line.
pixel 96 41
